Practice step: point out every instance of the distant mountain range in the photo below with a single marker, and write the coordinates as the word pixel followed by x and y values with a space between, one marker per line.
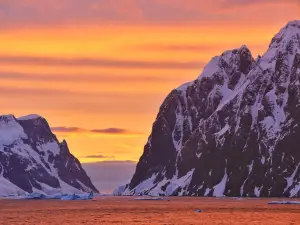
pixel 33 160
pixel 234 131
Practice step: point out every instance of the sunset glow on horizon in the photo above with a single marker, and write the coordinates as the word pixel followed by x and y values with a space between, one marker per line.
pixel 98 71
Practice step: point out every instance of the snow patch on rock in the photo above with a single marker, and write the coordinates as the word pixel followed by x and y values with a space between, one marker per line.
pixel 29 117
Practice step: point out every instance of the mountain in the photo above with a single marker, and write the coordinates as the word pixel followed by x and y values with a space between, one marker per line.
pixel 33 160
pixel 234 131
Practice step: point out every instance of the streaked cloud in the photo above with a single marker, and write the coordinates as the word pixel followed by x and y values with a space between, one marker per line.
pixel 80 103
pixel 85 77
pixel 192 48
pixel 64 93
pixel 16 91
pixel 243 2
pixel 41 12
pixel 107 131
pixel 99 62
pixel 174 47
pixel 67 129
pixel 98 157
pixel 116 162
pixel 112 131
pixel 19 91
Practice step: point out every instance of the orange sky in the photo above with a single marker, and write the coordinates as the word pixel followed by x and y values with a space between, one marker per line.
pixel 95 65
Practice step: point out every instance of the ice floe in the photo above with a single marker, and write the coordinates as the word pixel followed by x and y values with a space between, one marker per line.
pixel 284 202
pixel 149 198
pixel 35 195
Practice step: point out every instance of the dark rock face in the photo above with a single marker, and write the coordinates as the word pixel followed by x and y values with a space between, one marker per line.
pixel 235 131
pixel 32 159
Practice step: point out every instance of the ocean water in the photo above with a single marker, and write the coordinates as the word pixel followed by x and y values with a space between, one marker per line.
pixel 127 210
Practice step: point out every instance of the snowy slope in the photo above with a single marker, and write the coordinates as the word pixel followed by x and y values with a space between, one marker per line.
pixel 9 189
pixel 32 159
pixel 10 130
pixel 234 131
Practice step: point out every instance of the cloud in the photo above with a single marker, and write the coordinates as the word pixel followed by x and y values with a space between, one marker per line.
pixel 248 2
pixel 98 157
pixel 50 99
pixel 99 62
pixel 51 92
pixel 184 47
pixel 195 48
pixel 103 78
pixel 111 131
pixel 116 162
pixel 36 91
pixel 67 129
pixel 107 131
pixel 23 12
pixel 64 93
pixel 26 13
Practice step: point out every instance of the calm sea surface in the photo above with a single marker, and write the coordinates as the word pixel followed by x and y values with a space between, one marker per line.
pixel 126 210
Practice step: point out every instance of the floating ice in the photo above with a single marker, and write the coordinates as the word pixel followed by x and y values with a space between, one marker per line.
pixel 78 197
pixel 284 203
pixel 35 195
pixel 149 199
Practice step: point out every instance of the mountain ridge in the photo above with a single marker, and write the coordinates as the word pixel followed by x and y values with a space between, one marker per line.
pixel 33 160
pixel 232 131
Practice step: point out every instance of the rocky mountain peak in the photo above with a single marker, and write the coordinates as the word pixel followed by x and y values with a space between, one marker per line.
pixel 287 39
pixel 234 131
pixel 231 66
pixel 37 128
pixel 241 59
pixel 64 149
pixel 30 117
pixel 7 118
pixel 32 159
pixel 10 130
pixel 229 62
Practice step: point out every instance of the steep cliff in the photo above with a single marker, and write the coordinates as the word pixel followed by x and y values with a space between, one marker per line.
pixel 234 131
pixel 32 159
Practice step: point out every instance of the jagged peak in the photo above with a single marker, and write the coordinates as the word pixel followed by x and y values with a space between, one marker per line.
pixel 289 32
pixel 286 42
pixel 184 86
pixel 233 58
pixel 235 52
pixel 64 148
pixel 7 118
pixel 293 23
pixel 34 123
pixel 30 117
pixel 64 143
pixel 10 130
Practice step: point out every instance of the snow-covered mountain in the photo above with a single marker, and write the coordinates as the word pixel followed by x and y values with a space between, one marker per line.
pixel 33 160
pixel 234 131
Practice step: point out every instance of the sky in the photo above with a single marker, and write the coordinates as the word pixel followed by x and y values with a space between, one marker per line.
pixel 99 70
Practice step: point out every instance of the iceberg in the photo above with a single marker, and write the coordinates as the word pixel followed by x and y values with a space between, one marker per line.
pixel 36 195
pixel 69 197
pixel 77 196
